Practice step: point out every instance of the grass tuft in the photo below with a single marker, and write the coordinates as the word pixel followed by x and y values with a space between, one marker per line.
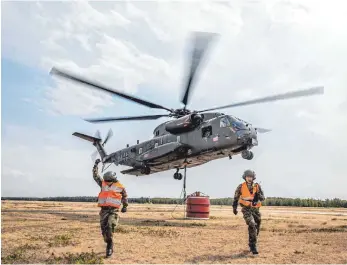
pixel 158 232
pixel 76 258
pixel 19 254
pixel 61 241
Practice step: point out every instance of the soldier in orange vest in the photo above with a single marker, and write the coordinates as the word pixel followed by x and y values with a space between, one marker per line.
pixel 110 198
pixel 250 195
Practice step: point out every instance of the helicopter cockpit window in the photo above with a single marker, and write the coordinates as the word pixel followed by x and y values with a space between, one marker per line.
pixel 156 145
pixel 237 124
pixel 224 122
pixel 140 150
pixel 178 138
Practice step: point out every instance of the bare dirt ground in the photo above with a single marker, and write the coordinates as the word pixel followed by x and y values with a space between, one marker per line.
pixel 63 232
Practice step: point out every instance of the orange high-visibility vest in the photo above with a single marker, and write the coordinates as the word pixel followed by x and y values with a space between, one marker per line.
pixel 110 194
pixel 246 197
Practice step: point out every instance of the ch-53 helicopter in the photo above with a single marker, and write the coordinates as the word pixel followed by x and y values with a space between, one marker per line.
pixel 192 138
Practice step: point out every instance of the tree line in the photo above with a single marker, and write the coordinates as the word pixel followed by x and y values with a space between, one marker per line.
pixel 270 201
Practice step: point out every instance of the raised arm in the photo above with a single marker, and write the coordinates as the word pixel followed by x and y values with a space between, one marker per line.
pixel 96 175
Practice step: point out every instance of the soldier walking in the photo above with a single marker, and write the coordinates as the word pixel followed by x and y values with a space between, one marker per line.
pixel 250 195
pixel 110 198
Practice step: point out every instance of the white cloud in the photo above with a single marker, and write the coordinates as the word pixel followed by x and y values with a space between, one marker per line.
pixel 265 47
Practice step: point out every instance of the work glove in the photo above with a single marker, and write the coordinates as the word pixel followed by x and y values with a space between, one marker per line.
pixel 235 211
pixel 255 199
pixel 124 209
pixel 96 163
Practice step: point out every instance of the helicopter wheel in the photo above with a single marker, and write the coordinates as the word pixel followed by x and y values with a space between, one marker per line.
pixel 146 170
pixel 178 176
pixel 247 155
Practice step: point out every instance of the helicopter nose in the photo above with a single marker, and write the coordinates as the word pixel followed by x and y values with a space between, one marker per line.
pixel 244 135
pixel 247 136
pixel 253 132
pixel 253 135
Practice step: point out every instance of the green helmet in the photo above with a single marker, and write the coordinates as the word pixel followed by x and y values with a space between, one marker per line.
pixel 110 176
pixel 250 173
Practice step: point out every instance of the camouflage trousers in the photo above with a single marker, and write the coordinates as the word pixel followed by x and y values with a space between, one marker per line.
pixel 108 222
pixel 252 218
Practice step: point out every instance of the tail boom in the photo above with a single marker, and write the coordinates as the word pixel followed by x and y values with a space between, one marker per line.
pixel 96 142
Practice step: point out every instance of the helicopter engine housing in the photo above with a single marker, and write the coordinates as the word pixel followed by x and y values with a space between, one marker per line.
pixel 184 124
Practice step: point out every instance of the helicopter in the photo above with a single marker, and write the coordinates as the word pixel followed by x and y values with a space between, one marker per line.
pixel 191 138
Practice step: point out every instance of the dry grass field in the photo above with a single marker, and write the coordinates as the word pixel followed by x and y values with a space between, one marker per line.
pixel 63 232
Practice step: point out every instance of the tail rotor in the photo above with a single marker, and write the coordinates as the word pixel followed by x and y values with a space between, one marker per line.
pixel 97 134
pixel 107 138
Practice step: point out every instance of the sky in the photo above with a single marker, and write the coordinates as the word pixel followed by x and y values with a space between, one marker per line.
pixel 142 48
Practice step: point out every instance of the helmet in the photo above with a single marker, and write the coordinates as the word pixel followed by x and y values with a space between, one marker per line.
pixel 250 173
pixel 110 176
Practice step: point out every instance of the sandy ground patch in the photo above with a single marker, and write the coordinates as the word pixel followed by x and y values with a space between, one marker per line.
pixel 67 232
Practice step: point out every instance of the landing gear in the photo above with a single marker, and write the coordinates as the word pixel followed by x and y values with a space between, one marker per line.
pixel 247 155
pixel 177 175
pixel 146 170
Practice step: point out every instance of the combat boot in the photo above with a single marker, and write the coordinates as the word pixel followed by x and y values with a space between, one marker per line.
pixel 253 248
pixel 109 249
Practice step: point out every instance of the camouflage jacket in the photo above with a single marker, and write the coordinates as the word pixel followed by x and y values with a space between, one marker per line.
pixel 237 195
pixel 98 179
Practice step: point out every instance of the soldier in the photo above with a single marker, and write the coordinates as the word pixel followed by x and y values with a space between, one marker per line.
pixel 110 198
pixel 250 195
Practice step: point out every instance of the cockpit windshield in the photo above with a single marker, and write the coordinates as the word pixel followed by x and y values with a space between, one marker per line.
pixel 237 124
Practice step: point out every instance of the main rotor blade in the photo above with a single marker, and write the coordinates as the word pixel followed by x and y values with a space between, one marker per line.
pixel 131 118
pixel 95 85
pixel 288 95
pixel 200 44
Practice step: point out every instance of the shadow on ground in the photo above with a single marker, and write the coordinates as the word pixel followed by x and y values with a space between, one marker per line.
pixel 218 258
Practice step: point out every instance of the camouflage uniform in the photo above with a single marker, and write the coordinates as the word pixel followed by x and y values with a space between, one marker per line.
pixel 109 215
pixel 251 215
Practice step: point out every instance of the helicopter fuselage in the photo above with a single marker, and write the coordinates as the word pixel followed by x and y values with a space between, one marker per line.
pixel 187 142
pixel 191 138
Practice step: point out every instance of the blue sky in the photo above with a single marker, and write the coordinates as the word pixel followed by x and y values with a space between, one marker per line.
pixel 18 83
pixel 23 90
pixel 142 50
